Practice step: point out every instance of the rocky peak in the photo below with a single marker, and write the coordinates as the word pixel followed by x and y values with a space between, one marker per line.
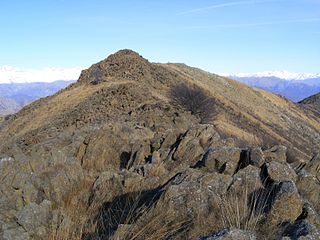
pixel 122 65
pixel 125 53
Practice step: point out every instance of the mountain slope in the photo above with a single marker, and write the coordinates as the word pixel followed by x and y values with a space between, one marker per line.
pixel 255 115
pixel 312 100
pixel 312 103
pixel 124 82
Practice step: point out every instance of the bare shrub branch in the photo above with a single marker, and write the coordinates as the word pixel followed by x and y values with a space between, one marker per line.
pixel 195 100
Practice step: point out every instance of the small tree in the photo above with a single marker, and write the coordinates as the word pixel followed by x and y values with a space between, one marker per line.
pixel 195 100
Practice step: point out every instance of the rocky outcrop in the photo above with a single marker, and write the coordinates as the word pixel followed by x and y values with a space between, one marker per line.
pixel 190 172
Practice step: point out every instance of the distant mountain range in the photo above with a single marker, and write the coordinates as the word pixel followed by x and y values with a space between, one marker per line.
pixel 14 96
pixel 286 75
pixel 294 86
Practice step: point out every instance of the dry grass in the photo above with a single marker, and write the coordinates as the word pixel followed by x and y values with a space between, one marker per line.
pixel 41 113
pixel 272 114
pixel 139 215
pixel 248 211
pixel 156 224
pixel 130 216
pixel 243 211
pixel 231 130
pixel 73 219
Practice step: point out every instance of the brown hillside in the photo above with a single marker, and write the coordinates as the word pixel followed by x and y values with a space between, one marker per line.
pixel 117 87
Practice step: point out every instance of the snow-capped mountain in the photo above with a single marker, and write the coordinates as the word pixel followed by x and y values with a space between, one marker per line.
pixel 294 86
pixel 286 75
pixel 10 74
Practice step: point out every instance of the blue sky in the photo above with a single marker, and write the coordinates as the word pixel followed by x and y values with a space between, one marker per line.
pixel 219 36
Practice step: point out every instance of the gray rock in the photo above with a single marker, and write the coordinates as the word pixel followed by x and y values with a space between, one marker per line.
pixel 223 160
pixel 287 205
pixel 189 151
pixel 35 218
pixel 256 157
pixel 276 153
pixel 15 234
pixel 311 215
pixel 280 172
pixel 313 166
pixel 59 179
pixel 231 234
pixel 302 230
pixel 309 188
pixel 246 181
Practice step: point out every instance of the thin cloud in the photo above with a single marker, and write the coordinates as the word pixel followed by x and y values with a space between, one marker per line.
pixel 305 20
pixel 244 25
pixel 224 5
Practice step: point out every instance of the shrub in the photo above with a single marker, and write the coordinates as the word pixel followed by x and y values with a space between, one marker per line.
pixel 195 100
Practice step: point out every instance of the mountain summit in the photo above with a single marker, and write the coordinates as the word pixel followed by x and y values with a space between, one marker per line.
pixel 125 64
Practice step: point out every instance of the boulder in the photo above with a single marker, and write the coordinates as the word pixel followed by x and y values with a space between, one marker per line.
pixel 170 136
pixel 279 172
pixel 287 204
pixel 310 214
pixel 309 188
pixel 224 160
pixel 313 166
pixel 192 145
pixel 114 147
pixel 59 180
pixel 276 153
pixel 189 151
pixel 215 184
pixel 35 218
pixel 301 230
pixel 256 157
pixel 246 181
pixel 18 233
pixel 231 234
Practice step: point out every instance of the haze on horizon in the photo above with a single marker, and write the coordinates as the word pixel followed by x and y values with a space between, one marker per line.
pixel 218 36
